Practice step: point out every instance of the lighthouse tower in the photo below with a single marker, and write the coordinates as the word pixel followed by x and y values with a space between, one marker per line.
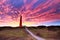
pixel 20 25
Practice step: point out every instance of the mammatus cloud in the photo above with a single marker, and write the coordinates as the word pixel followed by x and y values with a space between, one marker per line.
pixel 32 11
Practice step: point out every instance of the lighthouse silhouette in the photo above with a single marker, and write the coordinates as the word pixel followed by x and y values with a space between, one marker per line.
pixel 20 23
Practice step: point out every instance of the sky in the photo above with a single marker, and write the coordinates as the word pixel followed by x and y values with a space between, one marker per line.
pixel 34 12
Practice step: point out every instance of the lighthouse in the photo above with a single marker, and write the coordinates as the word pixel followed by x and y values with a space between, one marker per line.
pixel 20 23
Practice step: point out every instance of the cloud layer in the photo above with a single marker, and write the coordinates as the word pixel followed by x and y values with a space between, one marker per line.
pixel 32 11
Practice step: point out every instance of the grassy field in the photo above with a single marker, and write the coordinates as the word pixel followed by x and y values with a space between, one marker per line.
pixel 47 33
pixel 21 34
pixel 14 34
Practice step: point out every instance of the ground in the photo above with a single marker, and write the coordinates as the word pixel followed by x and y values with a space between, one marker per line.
pixel 47 33
pixel 21 34
pixel 14 34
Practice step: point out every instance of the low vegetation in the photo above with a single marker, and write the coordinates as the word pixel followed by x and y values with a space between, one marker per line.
pixel 49 33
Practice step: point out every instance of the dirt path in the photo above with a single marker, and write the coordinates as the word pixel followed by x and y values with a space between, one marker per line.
pixel 36 37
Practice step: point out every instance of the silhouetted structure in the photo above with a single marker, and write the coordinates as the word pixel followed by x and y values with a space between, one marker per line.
pixel 20 25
